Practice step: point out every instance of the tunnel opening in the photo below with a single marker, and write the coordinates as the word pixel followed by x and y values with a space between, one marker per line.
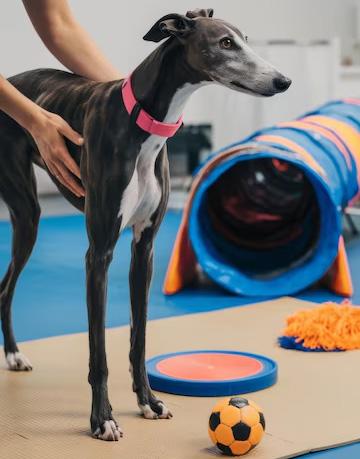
pixel 262 216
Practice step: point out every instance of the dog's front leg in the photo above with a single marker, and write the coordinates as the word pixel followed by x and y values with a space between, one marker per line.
pixel 103 229
pixel 141 272
pixel 140 279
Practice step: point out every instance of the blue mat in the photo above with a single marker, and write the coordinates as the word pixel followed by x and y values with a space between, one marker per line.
pixel 50 297
pixel 51 288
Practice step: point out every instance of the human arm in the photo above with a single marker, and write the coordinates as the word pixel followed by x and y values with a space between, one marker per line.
pixel 68 41
pixel 47 130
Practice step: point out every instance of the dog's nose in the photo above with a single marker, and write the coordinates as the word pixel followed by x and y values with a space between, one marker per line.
pixel 282 84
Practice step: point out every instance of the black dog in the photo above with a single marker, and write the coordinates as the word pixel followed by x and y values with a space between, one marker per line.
pixel 124 169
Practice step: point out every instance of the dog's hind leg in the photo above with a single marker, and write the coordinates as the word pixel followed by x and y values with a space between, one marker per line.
pixel 141 272
pixel 18 189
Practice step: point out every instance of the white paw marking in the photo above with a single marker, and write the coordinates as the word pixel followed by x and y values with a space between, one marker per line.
pixel 165 412
pixel 112 432
pixel 150 414
pixel 18 362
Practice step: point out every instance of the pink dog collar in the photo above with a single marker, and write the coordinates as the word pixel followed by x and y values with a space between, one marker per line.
pixel 144 120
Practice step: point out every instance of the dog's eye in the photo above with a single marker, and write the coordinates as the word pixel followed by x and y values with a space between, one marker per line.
pixel 226 43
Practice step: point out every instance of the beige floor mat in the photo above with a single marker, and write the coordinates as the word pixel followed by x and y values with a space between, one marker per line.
pixel 45 414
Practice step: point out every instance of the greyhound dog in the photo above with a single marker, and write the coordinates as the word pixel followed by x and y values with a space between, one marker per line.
pixel 124 170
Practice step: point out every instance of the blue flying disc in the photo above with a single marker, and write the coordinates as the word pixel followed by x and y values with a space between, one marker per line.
pixel 211 373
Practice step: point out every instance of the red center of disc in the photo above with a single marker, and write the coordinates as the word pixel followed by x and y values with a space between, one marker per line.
pixel 209 367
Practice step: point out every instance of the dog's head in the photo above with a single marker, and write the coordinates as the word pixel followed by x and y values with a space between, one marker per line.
pixel 219 51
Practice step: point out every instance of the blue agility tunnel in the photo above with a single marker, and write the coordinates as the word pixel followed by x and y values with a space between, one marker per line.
pixel 264 215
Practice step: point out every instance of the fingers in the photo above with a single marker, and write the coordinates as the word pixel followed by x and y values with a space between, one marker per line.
pixel 67 131
pixel 63 164
pixel 67 180
pixel 49 138
pixel 71 165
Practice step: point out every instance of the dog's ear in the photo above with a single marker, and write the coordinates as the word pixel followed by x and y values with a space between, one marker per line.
pixel 200 13
pixel 172 24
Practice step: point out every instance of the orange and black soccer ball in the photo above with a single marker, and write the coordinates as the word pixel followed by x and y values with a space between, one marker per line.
pixel 236 426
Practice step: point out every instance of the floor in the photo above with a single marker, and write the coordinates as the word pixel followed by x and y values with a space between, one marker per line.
pixel 53 284
pixel 46 413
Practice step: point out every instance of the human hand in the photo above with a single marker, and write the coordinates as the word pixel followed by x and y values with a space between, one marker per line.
pixel 48 131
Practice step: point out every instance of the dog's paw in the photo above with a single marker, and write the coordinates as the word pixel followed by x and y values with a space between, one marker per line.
pixel 155 410
pixel 108 431
pixel 18 362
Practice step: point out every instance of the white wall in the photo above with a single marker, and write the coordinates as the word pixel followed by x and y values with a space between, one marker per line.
pixel 117 26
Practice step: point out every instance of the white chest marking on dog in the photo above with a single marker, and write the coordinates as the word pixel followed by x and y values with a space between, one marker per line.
pixel 142 196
